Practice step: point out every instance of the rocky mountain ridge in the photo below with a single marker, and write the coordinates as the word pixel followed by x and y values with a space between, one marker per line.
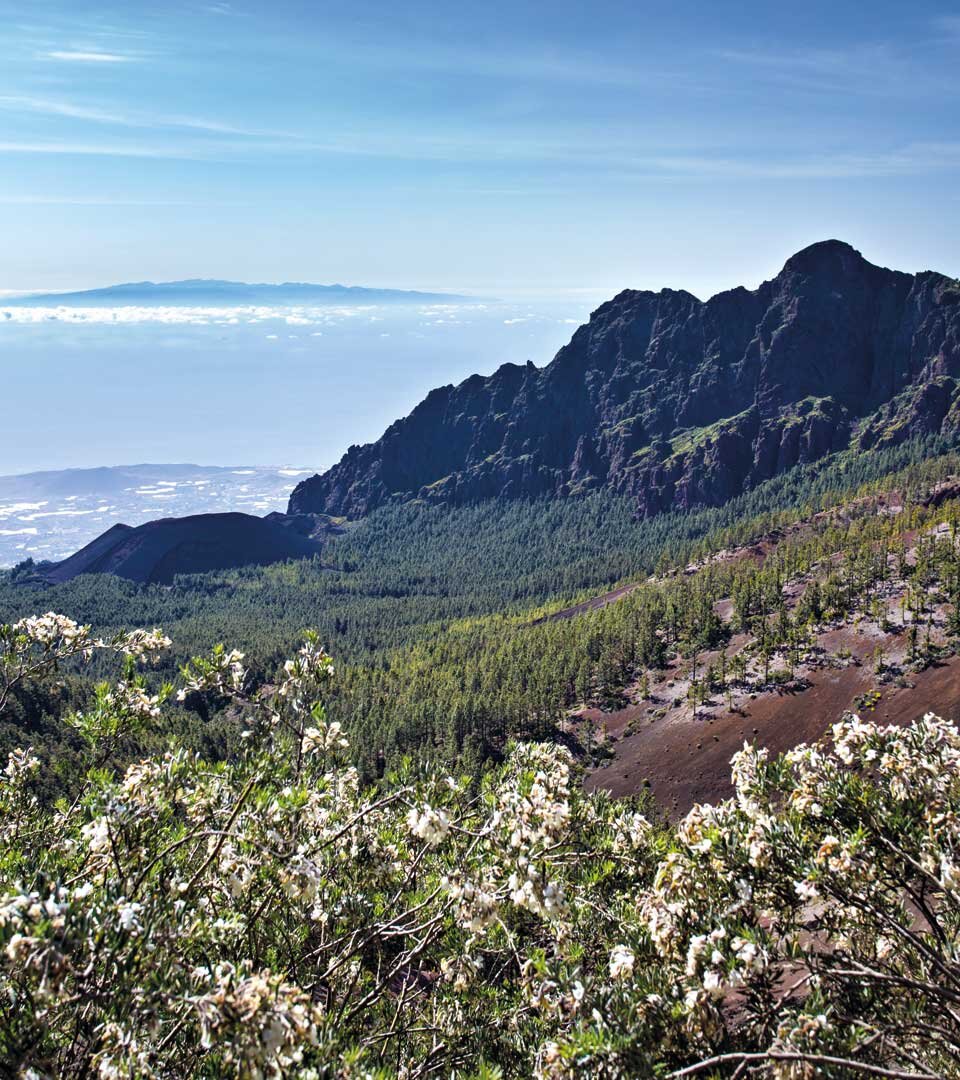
pixel 680 402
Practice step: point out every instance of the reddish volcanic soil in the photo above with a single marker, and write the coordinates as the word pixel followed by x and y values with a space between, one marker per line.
pixel 658 744
pixel 688 761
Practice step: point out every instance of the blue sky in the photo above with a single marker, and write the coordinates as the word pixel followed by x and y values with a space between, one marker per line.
pixel 508 147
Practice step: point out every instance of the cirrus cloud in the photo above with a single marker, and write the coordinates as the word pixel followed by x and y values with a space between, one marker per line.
pixel 87 56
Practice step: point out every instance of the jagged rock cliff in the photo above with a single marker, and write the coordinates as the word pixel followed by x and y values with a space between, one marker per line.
pixel 680 402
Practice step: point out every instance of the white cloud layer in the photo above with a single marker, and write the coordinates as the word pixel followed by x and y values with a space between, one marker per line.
pixel 218 316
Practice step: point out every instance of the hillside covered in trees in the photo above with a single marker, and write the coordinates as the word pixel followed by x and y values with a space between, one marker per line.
pixel 446 622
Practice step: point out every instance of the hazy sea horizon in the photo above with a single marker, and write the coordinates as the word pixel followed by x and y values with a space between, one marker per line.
pixel 217 385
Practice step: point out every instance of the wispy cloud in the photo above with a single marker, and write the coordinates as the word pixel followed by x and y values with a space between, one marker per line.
pixel 73 111
pixel 106 150
pixel 59 108
pixel 909 160
pixel 214 127
pixel 87 200
pixel 531 65
pixel 81 56
pixel 545 66
pixel 576 154
pixel 869 69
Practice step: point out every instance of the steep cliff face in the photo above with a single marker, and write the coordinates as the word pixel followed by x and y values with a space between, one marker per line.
pixel 680 402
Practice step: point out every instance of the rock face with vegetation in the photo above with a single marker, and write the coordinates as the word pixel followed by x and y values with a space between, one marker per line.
pixel 679 402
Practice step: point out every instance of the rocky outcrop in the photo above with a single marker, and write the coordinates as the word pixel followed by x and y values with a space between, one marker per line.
pixel 679 402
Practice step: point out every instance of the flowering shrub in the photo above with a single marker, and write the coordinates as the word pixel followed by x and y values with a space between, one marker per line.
pixel 270 916
pixel 816 916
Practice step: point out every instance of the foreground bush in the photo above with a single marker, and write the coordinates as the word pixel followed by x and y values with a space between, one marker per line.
pixel 268 916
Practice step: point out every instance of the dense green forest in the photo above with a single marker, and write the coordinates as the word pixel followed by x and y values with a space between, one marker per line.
pixel 437 616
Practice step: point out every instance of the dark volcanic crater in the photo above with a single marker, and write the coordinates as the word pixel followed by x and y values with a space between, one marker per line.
pixel 159 550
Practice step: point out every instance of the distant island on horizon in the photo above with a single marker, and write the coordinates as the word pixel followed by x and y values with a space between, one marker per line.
pixel 194 291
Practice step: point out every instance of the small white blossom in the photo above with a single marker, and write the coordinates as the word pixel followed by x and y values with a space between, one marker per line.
pixel 622 960
pixel 428 824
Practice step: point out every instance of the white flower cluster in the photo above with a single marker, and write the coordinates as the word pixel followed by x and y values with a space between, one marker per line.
pixel 718 909
pixel 529 890
pixel 326 738
pixel 37 924
pixel 35 646
pixel 270 916
pixel 477 905
pixel 20 764
pixel 622 960
pixel 796 1035
pixel 96 833
pixel 144 780
pixel 236 871
pixel 121 1054
pixel 143 643
pixel 131 699
pixel 534 813
pixel 264 1024
pixel 301 877
pixel 538 807
pixel 222 673
pixel 51 629
pixel 460 971
pixel 720 964
pixel 310 666
pixel 636 831
pixel 128 915
pixel 429 825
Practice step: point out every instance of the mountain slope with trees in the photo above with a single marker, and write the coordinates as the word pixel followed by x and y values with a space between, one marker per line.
pixel 445 620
